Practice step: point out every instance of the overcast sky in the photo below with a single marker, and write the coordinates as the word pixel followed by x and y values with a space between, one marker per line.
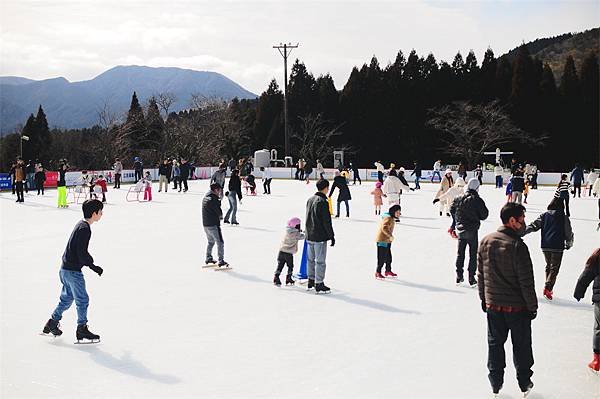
pixel 81 39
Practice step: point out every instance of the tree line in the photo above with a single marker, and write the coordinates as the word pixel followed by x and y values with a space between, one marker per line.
pixel 414 108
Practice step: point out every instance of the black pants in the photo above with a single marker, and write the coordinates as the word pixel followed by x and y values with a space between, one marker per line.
pixel 267 186
pixel 183 183
pixel 384 257
pixel 117 180
pixel 577 189
pixel 176 181
pixel 19 190
pixel 472 242
pixel 356 175
pixel 138 175
pixel 598 208
pixel 40 187
pixel 380 176
pixel 519 325
pixel 565 197
pixel 284 258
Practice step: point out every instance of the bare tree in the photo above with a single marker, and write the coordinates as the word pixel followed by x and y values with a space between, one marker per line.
pixel 107 117
pixel 165 101
pixel 468 130
pixel 314 137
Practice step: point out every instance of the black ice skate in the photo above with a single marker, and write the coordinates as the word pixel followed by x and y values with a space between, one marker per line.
pixel 276 280
pixel 85 336
pixel 472 282
pixel 52 327
pixel 310 285
pixel 459 279
pixel 321 288
pixel 289 280
pixel 527 390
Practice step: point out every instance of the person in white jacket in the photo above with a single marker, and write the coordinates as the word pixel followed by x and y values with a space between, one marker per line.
pixel 453 192
pixel 437 166
pixel 591 179
pixel 498 172
pixel 392 186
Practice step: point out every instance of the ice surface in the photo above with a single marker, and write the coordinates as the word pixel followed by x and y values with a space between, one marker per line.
pixel 172 329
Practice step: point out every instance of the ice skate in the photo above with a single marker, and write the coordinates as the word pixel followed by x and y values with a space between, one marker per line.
pixel 472 282
pixel 289 280
pixel 379 276
pixel 52 327
pixel 276 280
pixel 527 391
pixel 459 279
pixel 595 364
pixel 85 336
pixel 321 288
pixel 310 285
pixel 390 274
pixel 548 294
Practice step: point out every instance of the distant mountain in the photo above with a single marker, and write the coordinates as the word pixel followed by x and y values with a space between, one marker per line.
pixel 555 50
pixel 76 104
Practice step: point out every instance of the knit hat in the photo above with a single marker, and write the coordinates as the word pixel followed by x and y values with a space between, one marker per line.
pixel 448 171
pixel 378 184
pixel 293 222
pixel 473 184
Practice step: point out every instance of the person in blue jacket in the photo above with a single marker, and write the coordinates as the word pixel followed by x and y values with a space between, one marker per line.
pixel 557 235
pixel 577 179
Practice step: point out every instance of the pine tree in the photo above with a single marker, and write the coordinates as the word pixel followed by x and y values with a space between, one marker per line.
pixel 472 77
pixel 569 82
pixel 268 130
pixel 503 80
pixel 155 127
pixel 488 76
pixel 523 79
pixel 131 136
pixel 31 146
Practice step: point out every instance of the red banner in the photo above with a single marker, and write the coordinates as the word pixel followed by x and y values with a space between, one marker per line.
pixel 51 179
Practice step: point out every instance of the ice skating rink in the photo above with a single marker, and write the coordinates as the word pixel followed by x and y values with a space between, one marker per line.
pixel 171 329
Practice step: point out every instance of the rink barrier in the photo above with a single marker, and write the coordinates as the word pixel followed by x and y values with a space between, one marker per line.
pixel 205 172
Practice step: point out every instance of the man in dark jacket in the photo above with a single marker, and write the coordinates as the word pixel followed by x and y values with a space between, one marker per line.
pixel 138 168
pixel 163 173
pixel 184 173
pixel 417 173
pixel 589 274
pixel 211 220
pixel 507 293
pixel 577 178
pixel 318 231
pixel 468 210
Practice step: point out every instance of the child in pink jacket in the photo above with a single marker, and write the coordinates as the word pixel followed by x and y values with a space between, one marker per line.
pixel 377 197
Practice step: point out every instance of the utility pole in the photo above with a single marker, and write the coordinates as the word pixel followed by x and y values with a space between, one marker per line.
pixel 285 50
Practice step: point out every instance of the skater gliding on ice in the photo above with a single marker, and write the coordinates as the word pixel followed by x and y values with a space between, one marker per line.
pixel 384 238
pixel 211 220
pixel 75 257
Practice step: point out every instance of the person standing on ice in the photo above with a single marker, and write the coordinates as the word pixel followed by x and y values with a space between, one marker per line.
pixel 211 220
pixel 61 185
pixel 380 170
pixel 577 178
pixel 507 293
pixel 498 172
pixel 448 198
pixel 384 238
pixel 75 257
pixel 518 186
pixel 392 186
pixel 590 273
pixel 478 173
pixel 319 230
pixel 289 246
pixel 320 170
pixel 344 192
pixel 138 168
pixel 163 173
pixel 469 210
pixel 417 174
pixel 118 168
pixel 234 193
pixel 377 193
pixel 266 177
pixel 445 183
pixel 219 175
pixel 557 235
pixel 184 173
pixel 437 166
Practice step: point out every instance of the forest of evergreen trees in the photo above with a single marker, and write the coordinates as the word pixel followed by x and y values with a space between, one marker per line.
pixel 382 113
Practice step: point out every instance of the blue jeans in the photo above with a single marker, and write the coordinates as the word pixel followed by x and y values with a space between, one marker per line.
pixel 436 172
pixel 73 289
pixel 417 185
pixel 232 197
pixel 317 252
pixel 213 235
pixel 499 182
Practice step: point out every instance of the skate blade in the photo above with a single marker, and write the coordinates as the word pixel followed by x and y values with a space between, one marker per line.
pixel 209 265
pixel 222 268
pixel 86 341
pixel 322 292
pixel 49 335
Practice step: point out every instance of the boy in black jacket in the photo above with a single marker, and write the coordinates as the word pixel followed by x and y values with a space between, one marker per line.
pixel 211 220
pixel 73 284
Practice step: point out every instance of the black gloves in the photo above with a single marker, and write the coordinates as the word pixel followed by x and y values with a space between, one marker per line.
pixel 332 241
pixel 436 201
pixel 97 269
pixel 483 307
pixel 532 315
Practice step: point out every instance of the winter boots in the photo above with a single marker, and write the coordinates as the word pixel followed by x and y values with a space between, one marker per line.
pixel 83 333
pixel 52 327
pixel 548 294
pixel 595 364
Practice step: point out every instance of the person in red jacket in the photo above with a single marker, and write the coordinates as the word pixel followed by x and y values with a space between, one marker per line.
pixel 101 182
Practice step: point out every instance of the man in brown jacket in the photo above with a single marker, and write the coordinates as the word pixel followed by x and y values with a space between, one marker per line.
pixel 19 179
pixel 507 293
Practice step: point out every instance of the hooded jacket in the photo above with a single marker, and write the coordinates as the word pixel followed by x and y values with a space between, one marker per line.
pixel 318 219
pixel 469 210
pixel 340 183
pixel 556 230
pixel 211 210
